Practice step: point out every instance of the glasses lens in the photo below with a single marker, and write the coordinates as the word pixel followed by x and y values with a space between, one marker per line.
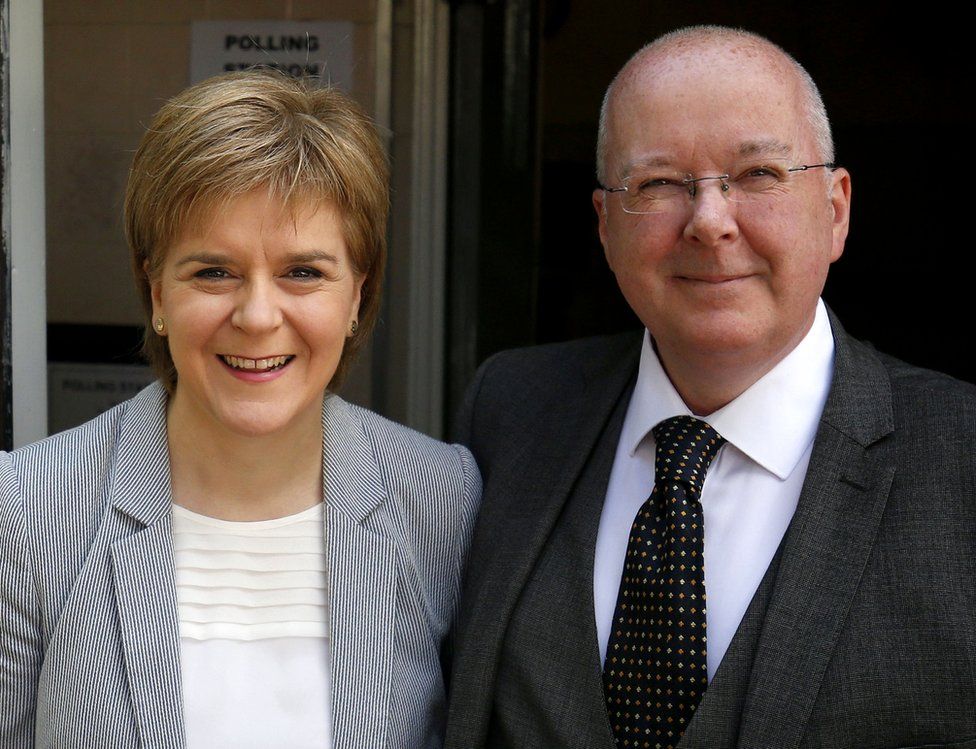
pixel 756 181
pixel 654 192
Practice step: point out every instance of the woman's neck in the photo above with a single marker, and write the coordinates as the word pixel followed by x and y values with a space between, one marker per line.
pixel 233 476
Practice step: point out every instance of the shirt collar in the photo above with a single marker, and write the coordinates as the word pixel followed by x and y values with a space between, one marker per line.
pixel 773 422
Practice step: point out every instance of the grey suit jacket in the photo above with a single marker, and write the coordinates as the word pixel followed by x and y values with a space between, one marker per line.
pixel 862 633
pixel 89 635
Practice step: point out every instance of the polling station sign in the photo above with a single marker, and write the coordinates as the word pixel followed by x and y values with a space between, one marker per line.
pixel 317 48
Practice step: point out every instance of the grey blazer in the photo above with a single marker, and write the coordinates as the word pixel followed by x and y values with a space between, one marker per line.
pixel 862 633
pixel 89 635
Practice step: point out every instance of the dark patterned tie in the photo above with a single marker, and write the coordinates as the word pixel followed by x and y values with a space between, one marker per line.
pixel 655 672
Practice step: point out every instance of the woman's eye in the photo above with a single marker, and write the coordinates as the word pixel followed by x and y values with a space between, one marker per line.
pixel 212 274
pixel 304 272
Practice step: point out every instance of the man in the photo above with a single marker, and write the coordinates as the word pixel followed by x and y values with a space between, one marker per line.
pixel 833 499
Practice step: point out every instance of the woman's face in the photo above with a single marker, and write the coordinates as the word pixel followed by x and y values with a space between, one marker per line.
pixel 257 305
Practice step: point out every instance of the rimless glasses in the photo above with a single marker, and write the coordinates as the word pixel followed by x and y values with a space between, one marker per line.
pixel 656 190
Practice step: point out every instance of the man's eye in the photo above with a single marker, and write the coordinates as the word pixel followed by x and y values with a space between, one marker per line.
pixel 657 186
pixel 759 178
pixel 761 172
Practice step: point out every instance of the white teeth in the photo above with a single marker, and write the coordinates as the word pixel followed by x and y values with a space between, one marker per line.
pixel 239 362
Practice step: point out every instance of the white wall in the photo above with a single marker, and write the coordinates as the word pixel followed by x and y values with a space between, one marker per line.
pixel 27 245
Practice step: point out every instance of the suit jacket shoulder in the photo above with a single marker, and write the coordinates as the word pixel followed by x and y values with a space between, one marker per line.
pixel 876 567
pixel 513 387
pixel 942 399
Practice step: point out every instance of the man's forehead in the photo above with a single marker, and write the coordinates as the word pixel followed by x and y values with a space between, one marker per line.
pixel 665 96
pixel 760 148
pixel 703 66
pixel 710 53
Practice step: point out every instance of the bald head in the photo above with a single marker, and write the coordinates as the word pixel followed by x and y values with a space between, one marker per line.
pixel 715 45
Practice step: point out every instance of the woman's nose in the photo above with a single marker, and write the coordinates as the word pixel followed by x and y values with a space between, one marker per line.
pixel 257 307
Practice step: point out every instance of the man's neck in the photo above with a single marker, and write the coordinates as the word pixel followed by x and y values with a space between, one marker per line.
pixel 709 381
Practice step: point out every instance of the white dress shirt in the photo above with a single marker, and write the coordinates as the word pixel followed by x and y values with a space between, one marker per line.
pixel 253 631
pixel 751 488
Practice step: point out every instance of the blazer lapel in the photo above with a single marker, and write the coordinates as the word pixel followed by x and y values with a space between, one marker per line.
pixel 144 575
pixel 362 582
pixel 824 550
pixel 519 515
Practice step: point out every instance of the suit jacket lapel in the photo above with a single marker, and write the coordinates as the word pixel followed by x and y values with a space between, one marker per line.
pixel 578 528
pixel 518 516
pixel 716 721
pixel 362 582
pixel 824 550
pixel 144 571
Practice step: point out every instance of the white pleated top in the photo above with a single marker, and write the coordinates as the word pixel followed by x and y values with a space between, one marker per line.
pixel 253 630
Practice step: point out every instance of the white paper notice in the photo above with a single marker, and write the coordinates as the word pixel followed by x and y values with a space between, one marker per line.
pixel 317 48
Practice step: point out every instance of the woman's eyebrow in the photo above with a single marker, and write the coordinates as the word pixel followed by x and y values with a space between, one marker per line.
pixel 204 258
pixel 216 258
pixel 311 256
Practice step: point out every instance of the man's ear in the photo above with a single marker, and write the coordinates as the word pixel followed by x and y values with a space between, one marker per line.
pixel 600 206
pixel 840 201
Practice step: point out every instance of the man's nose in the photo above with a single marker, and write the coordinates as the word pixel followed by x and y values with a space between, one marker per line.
pixel 713 215
pixel 257 308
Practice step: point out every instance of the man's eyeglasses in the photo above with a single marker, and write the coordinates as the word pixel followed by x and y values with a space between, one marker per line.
pixel 656 191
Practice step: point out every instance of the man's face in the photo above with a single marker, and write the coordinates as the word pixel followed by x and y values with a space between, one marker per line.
pixel 719 282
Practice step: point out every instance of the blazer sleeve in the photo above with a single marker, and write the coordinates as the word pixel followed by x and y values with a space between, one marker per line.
pixel 470 503
pixel 468 514
pixel 21 647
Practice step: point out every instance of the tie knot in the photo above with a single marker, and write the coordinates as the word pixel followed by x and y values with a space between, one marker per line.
pixel 685 448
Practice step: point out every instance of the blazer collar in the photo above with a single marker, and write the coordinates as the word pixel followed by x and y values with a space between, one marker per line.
pixel 144 573
pixel 859 404
pixel 362 574
pixel 141 484
pixel 363 569
pixel 351 479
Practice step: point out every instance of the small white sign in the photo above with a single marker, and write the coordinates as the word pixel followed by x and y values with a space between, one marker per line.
pixel 79 392
pixel 299 48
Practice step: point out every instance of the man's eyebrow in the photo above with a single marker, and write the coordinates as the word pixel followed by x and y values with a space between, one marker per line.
pixel 770 147
pixel 645 162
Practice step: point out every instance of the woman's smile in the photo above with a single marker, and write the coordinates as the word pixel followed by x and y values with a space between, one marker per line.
pixel 263 293
pixel 263 364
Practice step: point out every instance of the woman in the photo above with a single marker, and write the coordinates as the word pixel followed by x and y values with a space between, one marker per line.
pixel 237 557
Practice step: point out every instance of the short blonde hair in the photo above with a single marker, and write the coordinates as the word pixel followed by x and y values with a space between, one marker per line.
pixel 235 133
